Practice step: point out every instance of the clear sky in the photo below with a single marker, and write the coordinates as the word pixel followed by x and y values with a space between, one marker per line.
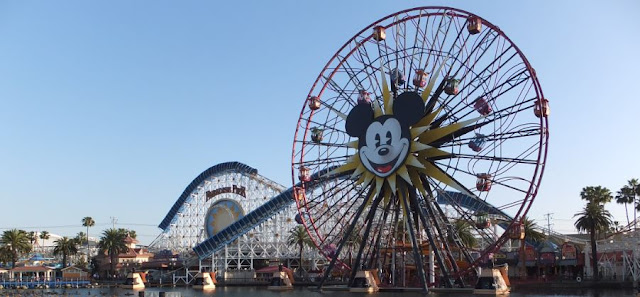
pixel 111 108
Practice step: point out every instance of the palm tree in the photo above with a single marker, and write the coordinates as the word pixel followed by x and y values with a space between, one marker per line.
pixel 32 238
pixel 464 231
pixel 65 246
pixel 81 238
pixel 16 242
pixel 298 236
pixel 44 235
pixel 112 242
pixel 533 234
pixel 88 222
pixel 627 195
pixel 593 218
pixel 596 194
pixel 5 254
pixel 532 231
pixel 129 232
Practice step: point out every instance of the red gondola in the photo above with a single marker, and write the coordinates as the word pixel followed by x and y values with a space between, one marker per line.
pixel 364 97
pixel 483 184
pixel 517 231
pixel 420 80
pixel 305 174
pixel 482 106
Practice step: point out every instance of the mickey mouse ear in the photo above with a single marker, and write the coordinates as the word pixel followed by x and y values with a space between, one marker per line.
pixel 359 119
pixel 408 108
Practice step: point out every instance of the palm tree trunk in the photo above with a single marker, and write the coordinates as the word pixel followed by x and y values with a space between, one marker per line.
pixel 113 260
pixel 523 260
pixel 14 258
pixel 627 212
pixel 64 260
pixel 300 265
pixel 594 254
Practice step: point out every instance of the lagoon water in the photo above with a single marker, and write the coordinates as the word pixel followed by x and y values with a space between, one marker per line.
pixel 263 292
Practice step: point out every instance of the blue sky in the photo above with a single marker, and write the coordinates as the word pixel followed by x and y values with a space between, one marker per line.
pixel 111 108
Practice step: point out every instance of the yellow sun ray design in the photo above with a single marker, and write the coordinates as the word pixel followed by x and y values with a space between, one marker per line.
pixel 418 159
pixel 386 94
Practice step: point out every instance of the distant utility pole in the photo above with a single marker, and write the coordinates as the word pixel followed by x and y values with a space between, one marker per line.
pixel 114 220
pixel 549 217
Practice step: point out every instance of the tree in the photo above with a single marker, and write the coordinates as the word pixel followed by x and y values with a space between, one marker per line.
pixel 464 231
pixel 88 222
pixel 532 231
pixel 81 238
pixel 596 194
pixel 533 234
pixel 112 242
pixel 44 235
pixel 129 232
pixel 32 238
pixel 593 218
pixel 15 242
pixel 66 247
pixel 627 195
pixel 5 254
pixel 298 236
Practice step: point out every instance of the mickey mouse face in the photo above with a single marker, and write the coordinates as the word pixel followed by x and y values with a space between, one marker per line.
pixel 385 149
pixel 384 142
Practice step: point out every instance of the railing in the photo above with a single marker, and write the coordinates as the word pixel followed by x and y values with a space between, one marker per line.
pixel 56 283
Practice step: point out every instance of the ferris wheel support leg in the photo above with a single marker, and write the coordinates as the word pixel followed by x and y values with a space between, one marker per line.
pixel 369 220
pixel 417 255
pixel 379 238
pixel 432 243
pixel 342 242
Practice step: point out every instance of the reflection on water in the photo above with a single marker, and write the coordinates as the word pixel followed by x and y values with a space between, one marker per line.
pixel 263 292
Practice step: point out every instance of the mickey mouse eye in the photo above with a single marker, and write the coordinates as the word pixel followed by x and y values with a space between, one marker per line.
pixel 377 140
pixel 389 137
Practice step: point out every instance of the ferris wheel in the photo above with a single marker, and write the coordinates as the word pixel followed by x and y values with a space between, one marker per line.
pixel 426 125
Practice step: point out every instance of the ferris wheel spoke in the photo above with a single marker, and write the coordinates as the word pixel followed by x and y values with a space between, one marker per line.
pixel 493 181
pixel 378 237
pixel 449 229
pixel 365 236
pixel 481 78
pixel 424 218
pixel 487 158
pixel 417 254
pixel 428 212
pixel 459 208
pixel 342 242
pixel 331 212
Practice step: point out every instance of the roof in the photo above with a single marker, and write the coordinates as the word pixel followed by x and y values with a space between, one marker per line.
pixel 31 269
pixel 272 269
pixel 73 267
pixel 130 239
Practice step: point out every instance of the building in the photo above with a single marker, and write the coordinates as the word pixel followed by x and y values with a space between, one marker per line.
pixel 74 273
pixel 130 260
pixel 32 273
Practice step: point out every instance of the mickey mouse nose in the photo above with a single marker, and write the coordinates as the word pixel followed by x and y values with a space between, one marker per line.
pixel 383 151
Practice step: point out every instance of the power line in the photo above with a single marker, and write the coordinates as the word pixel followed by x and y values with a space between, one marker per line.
pixel 47 227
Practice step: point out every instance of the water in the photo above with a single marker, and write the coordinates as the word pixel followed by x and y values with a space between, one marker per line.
pixel 263 292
